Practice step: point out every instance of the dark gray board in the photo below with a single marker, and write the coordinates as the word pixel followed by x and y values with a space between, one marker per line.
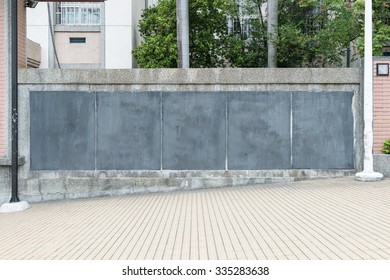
pixel 259 130
pixel 322 130
pixel 194 130
pixel 78 130
pixel 129 131
pixel 62 128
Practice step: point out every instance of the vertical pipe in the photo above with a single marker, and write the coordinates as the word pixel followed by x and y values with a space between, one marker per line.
pixel 183 39
pixel 348 57
pixel 272 32
pixel 14 105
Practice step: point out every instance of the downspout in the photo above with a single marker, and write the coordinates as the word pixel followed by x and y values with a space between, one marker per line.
pixel 14 105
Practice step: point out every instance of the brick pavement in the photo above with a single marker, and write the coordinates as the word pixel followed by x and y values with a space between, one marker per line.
pixel 319 219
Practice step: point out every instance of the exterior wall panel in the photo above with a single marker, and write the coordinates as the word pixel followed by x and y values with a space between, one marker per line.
pixel 22 34
pixel 381 108
pixel 78 53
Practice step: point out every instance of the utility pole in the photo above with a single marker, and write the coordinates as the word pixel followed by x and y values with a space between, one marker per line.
pixel 183 37
pixel 368 173
pixel 272 30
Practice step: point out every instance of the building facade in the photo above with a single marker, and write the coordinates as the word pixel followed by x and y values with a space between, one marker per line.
pixel 83 35
pixel 381 103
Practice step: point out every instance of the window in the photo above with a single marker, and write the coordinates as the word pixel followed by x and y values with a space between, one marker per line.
pixel 239 26
pixel 77 40
pixel 78 13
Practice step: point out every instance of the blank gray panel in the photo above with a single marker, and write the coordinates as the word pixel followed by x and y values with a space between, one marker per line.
pixel 129 131
pixel 194 129
pixel 322 130
pixel 259 130
pixel 62 130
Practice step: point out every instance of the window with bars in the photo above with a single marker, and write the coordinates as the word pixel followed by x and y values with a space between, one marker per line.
pixel 78 13
pixel 239 26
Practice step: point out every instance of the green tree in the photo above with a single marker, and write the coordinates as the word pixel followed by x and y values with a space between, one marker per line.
pixel 158 28
pixel 208 35
pixel 248 41
pixel 380 25
pixel 311 33
pixel 315 34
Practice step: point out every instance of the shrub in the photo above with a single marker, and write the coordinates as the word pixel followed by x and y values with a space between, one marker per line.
pixel 386 148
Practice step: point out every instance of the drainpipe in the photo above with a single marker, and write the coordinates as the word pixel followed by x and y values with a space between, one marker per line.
pixel 368 174
pixel 14 90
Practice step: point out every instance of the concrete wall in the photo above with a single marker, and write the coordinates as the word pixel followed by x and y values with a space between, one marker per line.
pixel 192 90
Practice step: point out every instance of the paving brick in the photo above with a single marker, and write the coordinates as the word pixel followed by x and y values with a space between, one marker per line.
pixel 322 219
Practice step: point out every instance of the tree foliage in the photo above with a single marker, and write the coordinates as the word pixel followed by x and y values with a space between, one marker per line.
pixel 380 25
pixel 311 33
pixel 208 34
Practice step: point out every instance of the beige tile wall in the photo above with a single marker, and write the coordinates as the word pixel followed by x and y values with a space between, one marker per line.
pixel 381 109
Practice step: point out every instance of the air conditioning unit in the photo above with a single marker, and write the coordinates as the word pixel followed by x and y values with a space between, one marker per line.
pixel 30 3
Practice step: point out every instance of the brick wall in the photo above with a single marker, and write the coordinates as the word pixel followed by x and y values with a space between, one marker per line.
pixel 381 109
pixel 22 62
pixel 22 40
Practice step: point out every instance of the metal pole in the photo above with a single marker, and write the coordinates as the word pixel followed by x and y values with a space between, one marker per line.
pixel 183 37
pixel 272 32
pixel 14 90
pixel 368 173
pixel 348 57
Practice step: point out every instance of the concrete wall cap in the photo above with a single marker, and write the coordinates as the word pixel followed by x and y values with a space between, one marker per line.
pixel 191 76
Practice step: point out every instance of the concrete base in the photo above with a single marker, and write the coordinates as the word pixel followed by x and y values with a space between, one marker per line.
pixel 14 207
pixel 382 164
pixel 368 176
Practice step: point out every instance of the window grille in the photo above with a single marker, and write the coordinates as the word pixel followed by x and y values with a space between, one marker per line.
pixel 239 26
pixel 78 13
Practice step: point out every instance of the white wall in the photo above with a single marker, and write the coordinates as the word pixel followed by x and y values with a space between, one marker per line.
pixel 76 53
pixel 118 33
pixel 38 30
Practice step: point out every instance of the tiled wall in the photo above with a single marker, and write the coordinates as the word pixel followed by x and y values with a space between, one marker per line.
pixel 381 108
pixel 22 40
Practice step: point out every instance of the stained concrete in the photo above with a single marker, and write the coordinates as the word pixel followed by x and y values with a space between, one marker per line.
pixel 62 130
pixel 259 130
pixel 322 130
pixel 382 164
pixel 128 131
pixel 194 130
